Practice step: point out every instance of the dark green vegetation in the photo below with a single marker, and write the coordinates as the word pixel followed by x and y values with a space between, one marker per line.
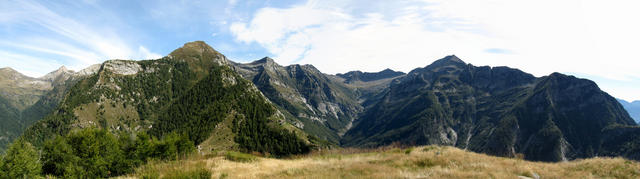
pixel 215 97
pixel 240 157
pixel 8 123
pixel 20 161
pixel 25 100
pixel 499 111
pixel 90 153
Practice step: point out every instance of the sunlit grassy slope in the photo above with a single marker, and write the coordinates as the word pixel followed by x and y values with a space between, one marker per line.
pixel 418 162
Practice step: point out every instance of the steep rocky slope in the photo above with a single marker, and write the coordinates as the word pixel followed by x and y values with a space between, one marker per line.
pixel 499 111
pixel 319 105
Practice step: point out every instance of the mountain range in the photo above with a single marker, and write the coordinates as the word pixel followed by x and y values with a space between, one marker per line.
pixel 25 100
pixel 265 107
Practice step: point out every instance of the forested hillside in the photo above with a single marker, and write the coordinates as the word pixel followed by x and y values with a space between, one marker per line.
pixel 180 100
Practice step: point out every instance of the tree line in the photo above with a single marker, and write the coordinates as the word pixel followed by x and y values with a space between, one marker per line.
pixel 90 153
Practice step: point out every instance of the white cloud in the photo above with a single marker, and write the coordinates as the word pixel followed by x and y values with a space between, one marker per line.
pixel 144 53
pixel 27 65
pixel 79 44
pixel 591 37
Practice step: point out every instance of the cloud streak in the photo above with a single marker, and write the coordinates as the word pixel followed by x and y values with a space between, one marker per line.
pixel 66 38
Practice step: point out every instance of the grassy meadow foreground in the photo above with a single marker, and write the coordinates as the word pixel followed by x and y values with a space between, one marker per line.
pixel 417 162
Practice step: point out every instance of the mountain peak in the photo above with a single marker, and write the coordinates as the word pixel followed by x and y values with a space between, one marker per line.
pixel 453 58
pixel 199 47
pixel 8 69
pixel 266 60
pixel 198 53
pixel 10 72
pixel 62 68
pixel 450 60
pixel 60 72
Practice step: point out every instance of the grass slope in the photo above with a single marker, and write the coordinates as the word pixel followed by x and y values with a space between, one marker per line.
pixel 418 162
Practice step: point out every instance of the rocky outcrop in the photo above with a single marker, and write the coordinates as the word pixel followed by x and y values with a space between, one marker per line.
pixel 122 67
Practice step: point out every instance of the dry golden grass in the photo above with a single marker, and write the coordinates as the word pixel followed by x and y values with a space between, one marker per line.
pixel 419 162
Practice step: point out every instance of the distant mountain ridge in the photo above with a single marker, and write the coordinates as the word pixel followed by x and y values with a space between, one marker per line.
pixel 25 100
pixel 368 76
pixel 633 108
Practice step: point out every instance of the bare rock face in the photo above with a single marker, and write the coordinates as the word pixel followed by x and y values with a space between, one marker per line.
pixel 93 69
pixel 61 73
pixel 314 102
pixel 122 67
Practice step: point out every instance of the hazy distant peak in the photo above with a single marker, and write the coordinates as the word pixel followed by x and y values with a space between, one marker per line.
pixel 8 69
pixel 369 76
pixel 52 76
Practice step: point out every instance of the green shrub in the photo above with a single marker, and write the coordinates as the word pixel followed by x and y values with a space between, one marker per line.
pixel 408 150
pixel 240 157
pixel 21 161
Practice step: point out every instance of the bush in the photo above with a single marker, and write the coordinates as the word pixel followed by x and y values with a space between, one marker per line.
pixel 21 161
pixel 408 150
pixel 240 157
pixel 96 153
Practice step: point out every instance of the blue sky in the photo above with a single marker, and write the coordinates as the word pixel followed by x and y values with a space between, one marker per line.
pixel 587 38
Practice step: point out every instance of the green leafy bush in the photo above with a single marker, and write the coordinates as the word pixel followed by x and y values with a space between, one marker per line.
pixel 20 161
pixel 96 153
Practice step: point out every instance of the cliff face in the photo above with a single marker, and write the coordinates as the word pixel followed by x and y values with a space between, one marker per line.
pixel 319 105
pixel 499 111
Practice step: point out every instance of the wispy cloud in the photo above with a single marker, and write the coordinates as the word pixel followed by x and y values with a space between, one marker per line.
pixel 498 51
pixel 325 35
pixel 573 36
pixel 63 37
